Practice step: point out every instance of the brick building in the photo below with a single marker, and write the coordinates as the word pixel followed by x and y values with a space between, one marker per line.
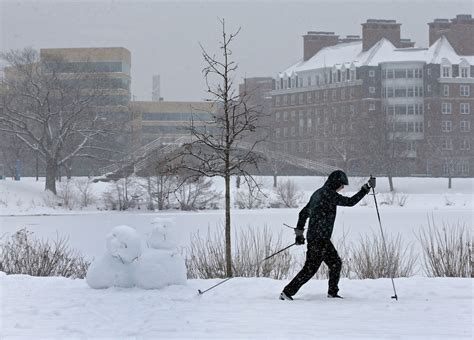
pixel 377 104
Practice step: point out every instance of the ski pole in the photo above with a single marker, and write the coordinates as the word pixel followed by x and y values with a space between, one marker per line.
pixel 266 258
pixel 385 246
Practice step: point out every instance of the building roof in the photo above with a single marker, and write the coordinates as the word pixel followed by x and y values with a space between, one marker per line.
pixel 351 54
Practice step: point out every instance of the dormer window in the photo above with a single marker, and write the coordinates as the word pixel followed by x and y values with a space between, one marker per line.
pixel 446 71
pixel 464 72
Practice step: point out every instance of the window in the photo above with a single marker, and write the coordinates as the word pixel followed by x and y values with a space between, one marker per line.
pixel 285 116
pixel 390 74
pixel 371 107
pixel 428 72
pixel 293 116
pixel 400 73
pixel 446 126
pixel 410 92
pixel 293 131
pixel 464 72
pixel 390 92
pixel 418 126
pixel 277 100
pixel 400 92
pixel 410 73
pixel 371 89
pixel 285 132
pixel 465 144
pixel 309 81
pixel 447 143
pixel 464 167
pixel 343 94
pixel 352 109
pixel 465 126
pixel 300 98
pixel 445 90
pixel 464 90
pixel 446 108
pixel 464 108
pixel 277 133
pixel 292 99
pixel 334 94
pixel 446 71
pixel 309 98
pixel 418 73
pixel 301 119
pixel 371 73
pixel 410 109
pixel 277 116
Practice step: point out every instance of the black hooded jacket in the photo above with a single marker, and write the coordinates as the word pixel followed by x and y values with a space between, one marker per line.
pixel 321 209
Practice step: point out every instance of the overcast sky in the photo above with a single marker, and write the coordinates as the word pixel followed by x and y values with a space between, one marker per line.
pixel 164 36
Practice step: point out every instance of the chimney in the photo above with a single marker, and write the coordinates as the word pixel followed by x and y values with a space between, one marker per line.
pixel 461 34
pixel 313 42
pixel 375 29
pixel 438 28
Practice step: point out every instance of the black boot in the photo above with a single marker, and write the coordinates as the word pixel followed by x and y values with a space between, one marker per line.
pixel 283 296
pixel 334 296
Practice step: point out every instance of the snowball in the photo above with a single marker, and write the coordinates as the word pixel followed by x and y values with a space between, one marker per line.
pixel 159 236
pixel 158 268
pixel 123 242
pixel 109 271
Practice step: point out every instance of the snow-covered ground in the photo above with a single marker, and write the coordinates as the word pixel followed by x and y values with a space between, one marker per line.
pixel 241 308
pixel 45 308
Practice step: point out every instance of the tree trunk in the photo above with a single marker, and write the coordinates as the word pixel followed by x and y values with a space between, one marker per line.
pixel 390 183
pixel 51 172
pixel 275 181
pixel 228 249
pixel 238 182
pixel 450 184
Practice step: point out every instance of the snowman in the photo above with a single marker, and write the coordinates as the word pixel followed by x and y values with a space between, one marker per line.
pixel 160 264
pixel 116 268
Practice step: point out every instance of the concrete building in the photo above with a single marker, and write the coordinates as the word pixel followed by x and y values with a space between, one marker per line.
pixel 379 104
pixel 169 120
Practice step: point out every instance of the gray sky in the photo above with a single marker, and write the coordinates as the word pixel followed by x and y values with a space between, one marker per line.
pixel 164 36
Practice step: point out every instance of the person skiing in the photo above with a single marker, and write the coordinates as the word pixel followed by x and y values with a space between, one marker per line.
pixel 321 211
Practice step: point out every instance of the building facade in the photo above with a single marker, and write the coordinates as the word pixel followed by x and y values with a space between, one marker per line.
pixel 169 120
pixel 377 104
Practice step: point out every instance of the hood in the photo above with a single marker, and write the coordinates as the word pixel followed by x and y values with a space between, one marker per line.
pixel 336 179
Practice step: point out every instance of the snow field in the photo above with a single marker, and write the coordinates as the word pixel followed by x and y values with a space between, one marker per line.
pixel 435 308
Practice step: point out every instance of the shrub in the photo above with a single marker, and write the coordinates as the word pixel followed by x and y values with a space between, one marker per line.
pixel 206 257
pixel 86 194
pixel 370 261
pixel 288 194
pixel 196 194
pixel 254 198
pixel 447 251
pixel 22 254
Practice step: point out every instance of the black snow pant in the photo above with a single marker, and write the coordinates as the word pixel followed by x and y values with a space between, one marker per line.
pixel 318 251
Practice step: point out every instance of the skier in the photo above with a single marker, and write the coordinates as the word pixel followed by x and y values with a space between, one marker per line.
pixel 321 210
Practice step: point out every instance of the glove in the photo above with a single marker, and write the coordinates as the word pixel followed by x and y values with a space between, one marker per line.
pixel 371 182
pixel 299 239
pixel 366 188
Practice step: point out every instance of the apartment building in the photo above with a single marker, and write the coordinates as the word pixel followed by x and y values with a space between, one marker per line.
pixel 378 104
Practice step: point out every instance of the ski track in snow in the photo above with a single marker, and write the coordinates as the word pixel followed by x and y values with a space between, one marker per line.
pixel 34 308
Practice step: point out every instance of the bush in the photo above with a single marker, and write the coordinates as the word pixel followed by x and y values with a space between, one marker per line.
pixel 206 257
pixel 196 194
pixel 22 254
pixel 446 253
pixel 85 192
pixel 369 259
pixel 288 194
pixel 254 198
pixel 124 195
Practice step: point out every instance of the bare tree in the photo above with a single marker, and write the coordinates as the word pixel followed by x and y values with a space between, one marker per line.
pixel 50 111
pixel 223 149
